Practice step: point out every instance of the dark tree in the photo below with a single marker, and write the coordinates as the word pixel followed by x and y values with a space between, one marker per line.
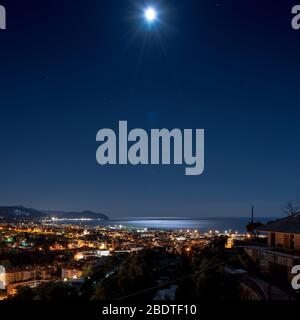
pixel 291 208
pixel 252 226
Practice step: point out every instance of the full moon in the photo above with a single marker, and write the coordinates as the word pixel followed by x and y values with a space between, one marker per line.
pixel 150 14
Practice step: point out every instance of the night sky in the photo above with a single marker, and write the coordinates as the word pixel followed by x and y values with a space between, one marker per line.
pixel 69 68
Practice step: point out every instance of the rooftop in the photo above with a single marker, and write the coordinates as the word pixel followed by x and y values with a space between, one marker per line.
pixel 290 224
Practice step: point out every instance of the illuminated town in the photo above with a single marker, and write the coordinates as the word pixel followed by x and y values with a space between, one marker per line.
pixel 85 261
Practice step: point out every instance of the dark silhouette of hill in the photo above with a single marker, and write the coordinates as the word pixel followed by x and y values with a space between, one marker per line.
pixel 20 212
pixel 76 215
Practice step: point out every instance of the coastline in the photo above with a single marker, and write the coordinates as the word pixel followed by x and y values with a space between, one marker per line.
pixel 235 224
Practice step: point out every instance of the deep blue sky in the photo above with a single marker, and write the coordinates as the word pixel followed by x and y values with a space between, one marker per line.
pixel 69 68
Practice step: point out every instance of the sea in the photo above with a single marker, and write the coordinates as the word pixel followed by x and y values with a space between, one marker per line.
pixel 201 225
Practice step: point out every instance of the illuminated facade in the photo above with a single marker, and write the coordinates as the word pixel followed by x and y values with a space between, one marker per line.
pixel 2 278
pixel 70 273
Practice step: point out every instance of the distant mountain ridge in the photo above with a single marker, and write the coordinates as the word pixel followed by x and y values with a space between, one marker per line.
pixel 20 212
pixel 15 212
pixel 76 215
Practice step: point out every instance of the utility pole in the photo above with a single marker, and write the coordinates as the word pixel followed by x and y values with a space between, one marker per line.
pixel 252 214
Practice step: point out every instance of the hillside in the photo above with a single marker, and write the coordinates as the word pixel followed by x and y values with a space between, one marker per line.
pixel 76 215
pixel 20 212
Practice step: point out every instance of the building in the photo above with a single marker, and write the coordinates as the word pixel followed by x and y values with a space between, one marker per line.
pixel 2 278
pixel 13 287
pixel 282 252
pixel 71 273
pixel 79 255
pixel 284 233
pixel 11 279
pixel 18 275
